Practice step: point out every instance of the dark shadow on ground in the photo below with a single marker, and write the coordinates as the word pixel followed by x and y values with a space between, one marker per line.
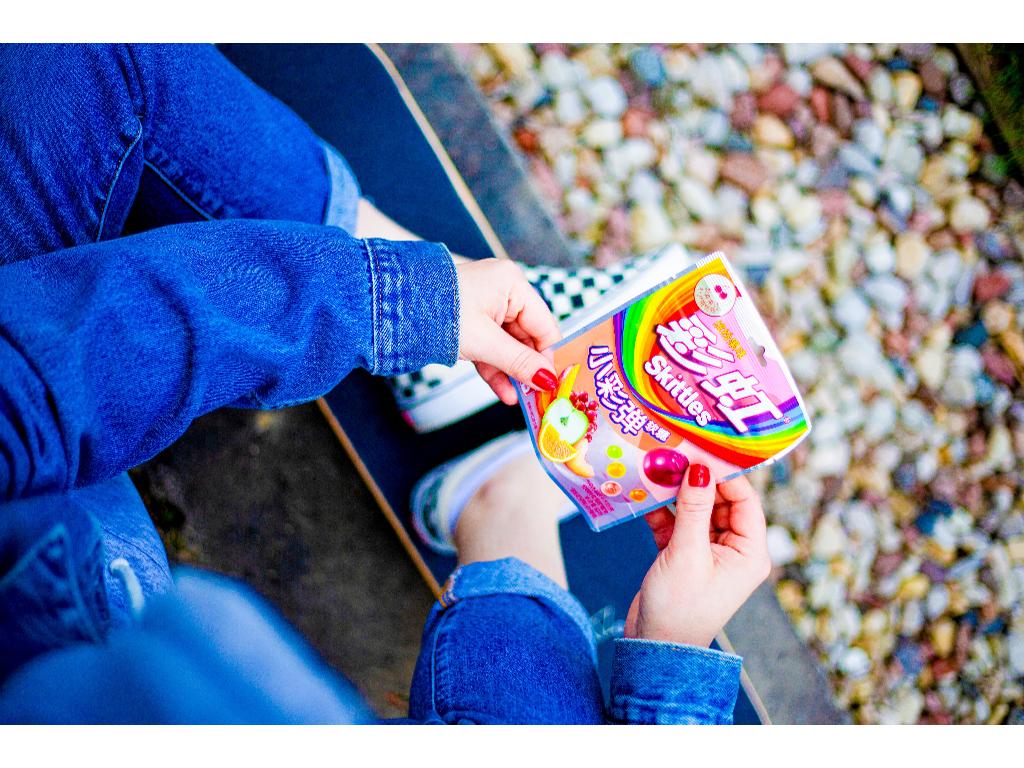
pixel 270 498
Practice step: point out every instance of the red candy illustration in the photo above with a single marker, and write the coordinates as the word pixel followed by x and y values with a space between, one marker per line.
pixel 665 467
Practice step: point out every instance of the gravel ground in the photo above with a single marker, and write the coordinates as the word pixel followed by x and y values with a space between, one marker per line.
pixel 865 194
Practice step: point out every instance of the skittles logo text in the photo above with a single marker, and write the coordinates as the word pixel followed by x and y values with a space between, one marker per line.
pixel 691 373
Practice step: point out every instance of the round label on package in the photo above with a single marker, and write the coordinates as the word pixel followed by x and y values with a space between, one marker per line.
pixel 715 295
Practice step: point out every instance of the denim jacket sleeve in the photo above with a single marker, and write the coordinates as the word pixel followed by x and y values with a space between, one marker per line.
pixel 666 683
pixel 109 350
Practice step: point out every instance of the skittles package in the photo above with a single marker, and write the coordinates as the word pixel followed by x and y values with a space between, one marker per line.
pixel 686 372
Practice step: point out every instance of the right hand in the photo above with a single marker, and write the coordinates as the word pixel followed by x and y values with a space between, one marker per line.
pixel 713 554
pixel 503 323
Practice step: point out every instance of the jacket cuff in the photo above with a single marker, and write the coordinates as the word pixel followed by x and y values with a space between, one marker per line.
pixel 415 305
pixel 667 683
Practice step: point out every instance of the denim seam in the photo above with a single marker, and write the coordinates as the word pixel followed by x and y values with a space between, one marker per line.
pixel 117 177
pixel 331 191
pixel 128 48
pixel 145 161
pixel 458 300
pixel 436 660
pixel 177 190
pixel 646 701
pixel 375 303
pixel 627 708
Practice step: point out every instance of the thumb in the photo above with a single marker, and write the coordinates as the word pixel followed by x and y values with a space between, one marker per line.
pixel 514 358
pixel 694 503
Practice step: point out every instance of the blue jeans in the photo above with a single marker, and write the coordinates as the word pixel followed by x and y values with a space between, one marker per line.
pixel 505 644
pixel 174 241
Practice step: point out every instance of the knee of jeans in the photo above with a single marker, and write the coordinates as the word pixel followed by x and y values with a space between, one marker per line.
pixel 507 658
pixel 512 576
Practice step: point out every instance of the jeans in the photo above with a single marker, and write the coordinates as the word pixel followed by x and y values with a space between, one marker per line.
pixel 174 240
pixel 505 644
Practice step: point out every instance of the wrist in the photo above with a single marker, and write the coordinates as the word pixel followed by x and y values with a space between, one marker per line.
pixel 682 638
pixel 695 636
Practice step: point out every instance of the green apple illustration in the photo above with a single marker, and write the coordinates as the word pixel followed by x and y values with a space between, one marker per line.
pixel 570 424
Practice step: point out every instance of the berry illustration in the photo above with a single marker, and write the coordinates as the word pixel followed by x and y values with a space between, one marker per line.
pixel 581 402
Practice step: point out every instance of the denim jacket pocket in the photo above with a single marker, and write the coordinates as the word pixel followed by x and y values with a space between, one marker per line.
pixel 47 602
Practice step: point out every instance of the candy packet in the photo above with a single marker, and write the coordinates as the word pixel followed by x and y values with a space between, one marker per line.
pixel 684 372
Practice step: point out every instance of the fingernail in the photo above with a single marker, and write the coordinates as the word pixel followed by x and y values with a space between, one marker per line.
pixel 545 380
pixel 700 476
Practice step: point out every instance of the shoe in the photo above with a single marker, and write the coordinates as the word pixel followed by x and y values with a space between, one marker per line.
pixel 440 495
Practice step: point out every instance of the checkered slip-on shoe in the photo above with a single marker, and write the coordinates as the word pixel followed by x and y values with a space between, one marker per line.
pixel 437 396
pixel 569 290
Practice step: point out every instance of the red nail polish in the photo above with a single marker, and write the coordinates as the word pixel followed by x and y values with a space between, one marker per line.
pixel 700 476
pixel 545 380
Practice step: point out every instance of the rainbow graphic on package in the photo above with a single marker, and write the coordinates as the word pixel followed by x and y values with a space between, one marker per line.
pixel 686 372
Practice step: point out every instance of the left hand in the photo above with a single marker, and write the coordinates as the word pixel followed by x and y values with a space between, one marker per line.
pixel 713 554
pixel 503 325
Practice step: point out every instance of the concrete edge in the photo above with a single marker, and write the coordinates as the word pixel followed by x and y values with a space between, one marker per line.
pixel 784 671
pixel 491 168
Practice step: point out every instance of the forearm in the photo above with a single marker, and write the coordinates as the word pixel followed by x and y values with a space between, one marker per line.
pixel 108 351
pixel 665 683
pixel 371 222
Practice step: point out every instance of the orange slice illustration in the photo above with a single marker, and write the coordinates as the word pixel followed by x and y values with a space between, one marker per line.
pixel 553 447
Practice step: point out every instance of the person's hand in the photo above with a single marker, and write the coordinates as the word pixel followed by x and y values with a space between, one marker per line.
pixel 713 554
pixel 503 322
